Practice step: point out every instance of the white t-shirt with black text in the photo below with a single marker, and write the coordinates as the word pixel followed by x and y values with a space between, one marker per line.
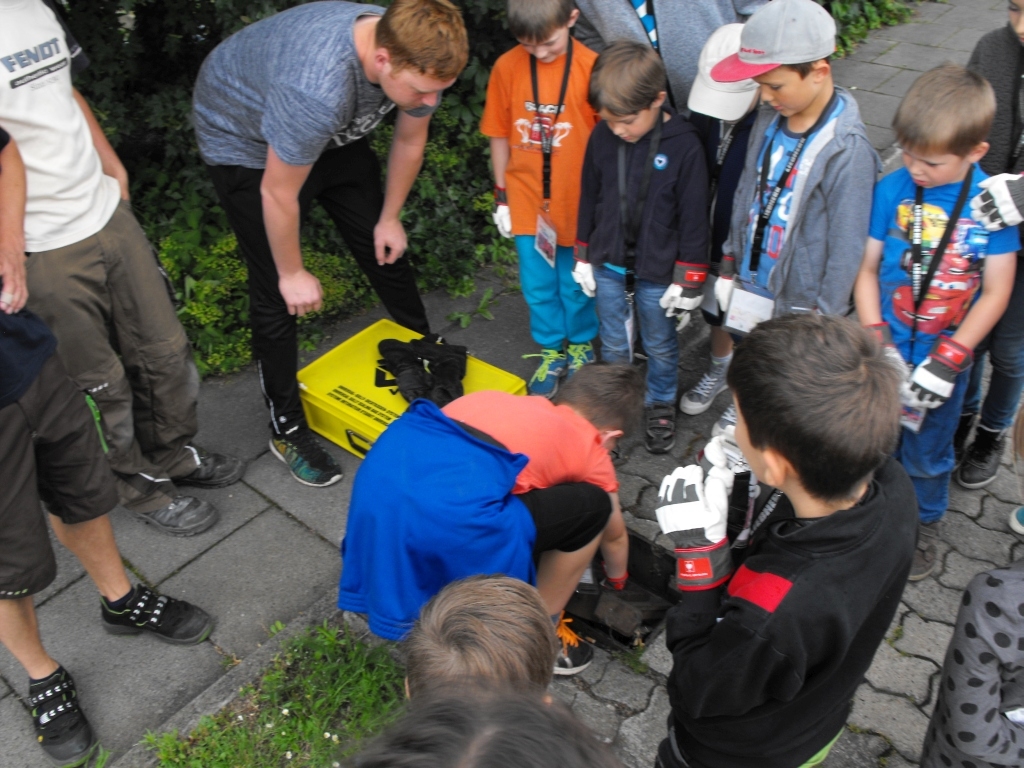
pixel 69 197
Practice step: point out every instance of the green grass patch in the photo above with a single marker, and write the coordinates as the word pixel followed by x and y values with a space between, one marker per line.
pixel 323 694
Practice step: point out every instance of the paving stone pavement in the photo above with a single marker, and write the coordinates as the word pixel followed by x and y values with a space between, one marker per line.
pixel 274 553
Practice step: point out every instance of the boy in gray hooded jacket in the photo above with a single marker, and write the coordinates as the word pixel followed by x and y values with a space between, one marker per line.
pixel 803 204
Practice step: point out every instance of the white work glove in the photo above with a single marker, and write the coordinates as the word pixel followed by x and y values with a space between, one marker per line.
pixel 934 379
pixel 583 273
pixel 694 515
pixel 503 220
pixel 725 460
pixel 723 292
pixel 675 302
pixel 1000 204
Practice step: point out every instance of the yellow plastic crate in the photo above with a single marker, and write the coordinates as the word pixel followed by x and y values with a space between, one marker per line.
pixel 349 399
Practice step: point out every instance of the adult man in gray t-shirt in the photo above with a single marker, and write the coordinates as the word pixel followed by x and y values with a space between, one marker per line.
pixel 281 111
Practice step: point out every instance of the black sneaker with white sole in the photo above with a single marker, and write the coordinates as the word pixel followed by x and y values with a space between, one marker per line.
pixel 61 728
pixel 575 654
pixel 660 427
pixel 173 621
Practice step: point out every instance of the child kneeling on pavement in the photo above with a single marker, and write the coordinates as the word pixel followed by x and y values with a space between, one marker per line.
pixel 642 240
pixel 766 658
pixel 495 483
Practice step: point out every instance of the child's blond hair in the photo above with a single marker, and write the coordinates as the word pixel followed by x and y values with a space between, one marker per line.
pixel 490 627
pixel 948 110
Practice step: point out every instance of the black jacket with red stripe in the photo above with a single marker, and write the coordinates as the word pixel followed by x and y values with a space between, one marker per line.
pixel 766 667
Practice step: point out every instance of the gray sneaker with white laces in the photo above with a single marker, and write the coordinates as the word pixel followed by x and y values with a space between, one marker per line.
pixel 701 396
pixel 726 424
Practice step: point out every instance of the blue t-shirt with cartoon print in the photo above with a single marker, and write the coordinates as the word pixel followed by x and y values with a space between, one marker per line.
pixel 957 281
pixel 781 142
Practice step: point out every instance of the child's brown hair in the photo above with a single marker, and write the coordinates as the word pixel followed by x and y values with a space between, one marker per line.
pixel 608 396
pixel 490 627
pixel 948 110
pixel 627 77
pixel 428 36
pixel 534 21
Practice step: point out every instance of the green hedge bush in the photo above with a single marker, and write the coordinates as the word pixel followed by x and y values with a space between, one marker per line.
pixel 145 58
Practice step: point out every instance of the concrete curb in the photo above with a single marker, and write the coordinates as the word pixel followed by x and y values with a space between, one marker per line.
pixel 225 689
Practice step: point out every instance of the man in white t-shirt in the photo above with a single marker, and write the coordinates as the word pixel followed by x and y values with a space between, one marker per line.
pixel 94 278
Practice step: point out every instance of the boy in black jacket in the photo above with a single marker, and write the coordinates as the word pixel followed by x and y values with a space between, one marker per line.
pixel 641 243
pixel 766 659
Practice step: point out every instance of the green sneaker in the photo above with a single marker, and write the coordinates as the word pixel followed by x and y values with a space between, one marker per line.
pixel 552 368
pixel 580 355
pixel 308 462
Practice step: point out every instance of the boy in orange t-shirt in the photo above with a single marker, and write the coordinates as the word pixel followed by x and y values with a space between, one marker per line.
pixel 537 116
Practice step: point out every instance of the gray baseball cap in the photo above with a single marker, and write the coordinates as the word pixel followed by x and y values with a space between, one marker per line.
pixel 781 32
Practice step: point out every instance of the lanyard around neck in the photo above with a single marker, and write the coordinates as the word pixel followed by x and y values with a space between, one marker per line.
pixel 757 244
pixel 547 132
pixel 631 218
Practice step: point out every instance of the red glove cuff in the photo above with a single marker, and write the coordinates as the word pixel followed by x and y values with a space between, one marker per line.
pixel 882 333
pixel 500 196
pixel 618 584
pixel 727 267
pixel 951 354
pixel 703 568
pixel 690 275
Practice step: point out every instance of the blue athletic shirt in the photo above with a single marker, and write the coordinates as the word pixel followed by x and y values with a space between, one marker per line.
pixel 957 282
pixel 781 142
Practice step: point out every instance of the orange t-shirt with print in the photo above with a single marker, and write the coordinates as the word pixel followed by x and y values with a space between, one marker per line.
pixel 563 447
pixel 509 114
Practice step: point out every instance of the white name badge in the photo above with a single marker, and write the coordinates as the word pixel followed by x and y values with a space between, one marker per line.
pixel 912 418
pixel 546 241
pixel 747 309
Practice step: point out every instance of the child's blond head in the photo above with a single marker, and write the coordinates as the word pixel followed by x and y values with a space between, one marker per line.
pixel 948 110
pixel 490 627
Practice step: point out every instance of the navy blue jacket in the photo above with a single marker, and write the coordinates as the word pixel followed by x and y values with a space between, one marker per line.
pixel 674 226
pixel 430 504
pixel 710 130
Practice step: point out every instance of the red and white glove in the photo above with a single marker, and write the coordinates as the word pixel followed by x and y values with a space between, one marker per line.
pixel 502 216
pixel 883 334
pixel 725 282
pixel 686 292
pixel 694 517
pixel 1001 203
pixel 933 380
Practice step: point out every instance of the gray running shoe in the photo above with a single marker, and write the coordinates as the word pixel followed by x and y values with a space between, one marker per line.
pixel 726 424
pixel 700 397
pixel 184 516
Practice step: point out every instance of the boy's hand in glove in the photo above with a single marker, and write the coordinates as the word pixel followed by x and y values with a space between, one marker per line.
pixel 502 216
pixel 686 292
pixel 583 273
pixel 933 380
pixel 694 516
pixel 1001 203
pixel 725 282
pixel 883 333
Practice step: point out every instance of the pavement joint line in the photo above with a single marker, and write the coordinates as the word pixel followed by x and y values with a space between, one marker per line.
pixel 39 604
pixel 213 545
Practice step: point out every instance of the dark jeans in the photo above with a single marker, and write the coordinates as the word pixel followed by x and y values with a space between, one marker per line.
pixel 346 182
pixel 1005 347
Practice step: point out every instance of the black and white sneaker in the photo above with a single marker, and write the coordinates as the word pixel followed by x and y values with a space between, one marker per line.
pixel 61 728
pixel 173 621
pixel 980 464
pixel 575 654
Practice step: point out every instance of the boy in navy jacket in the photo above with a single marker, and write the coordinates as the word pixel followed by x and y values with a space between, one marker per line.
pixel 642 240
